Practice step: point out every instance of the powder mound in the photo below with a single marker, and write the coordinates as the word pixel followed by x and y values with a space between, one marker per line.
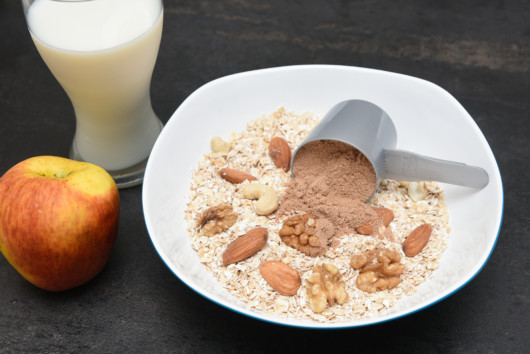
pixel 336 169
pixel 333 180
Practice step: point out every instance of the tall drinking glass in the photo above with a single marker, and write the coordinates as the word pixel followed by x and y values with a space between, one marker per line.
pixel 103 53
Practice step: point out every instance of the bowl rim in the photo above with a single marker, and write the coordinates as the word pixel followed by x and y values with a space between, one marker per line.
pixel 308 324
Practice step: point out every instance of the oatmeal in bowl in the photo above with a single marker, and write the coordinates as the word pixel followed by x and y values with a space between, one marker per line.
pixel 316 227
pixel 225 215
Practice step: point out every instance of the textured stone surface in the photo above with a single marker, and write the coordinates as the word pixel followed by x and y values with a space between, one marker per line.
pixel 479 51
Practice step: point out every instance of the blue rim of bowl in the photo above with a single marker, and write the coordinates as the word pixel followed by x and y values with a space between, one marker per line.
pixel 336 325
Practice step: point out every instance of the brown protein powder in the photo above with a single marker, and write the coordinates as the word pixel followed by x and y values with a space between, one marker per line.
pixel 333 180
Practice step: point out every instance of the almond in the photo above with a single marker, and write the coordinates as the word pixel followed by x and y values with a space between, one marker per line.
pixel 365 229
pixel 235 176
pixel 281 277
pixel 280 153
pixel 386 214
pixel 417 240
pixel 245 246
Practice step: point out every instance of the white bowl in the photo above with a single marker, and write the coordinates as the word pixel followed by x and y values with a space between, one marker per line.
pixel 428 120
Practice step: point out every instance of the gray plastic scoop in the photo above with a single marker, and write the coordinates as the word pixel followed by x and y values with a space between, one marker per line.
pixel 370 130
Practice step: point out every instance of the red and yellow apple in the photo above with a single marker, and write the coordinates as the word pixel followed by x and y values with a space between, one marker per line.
pixel 58 220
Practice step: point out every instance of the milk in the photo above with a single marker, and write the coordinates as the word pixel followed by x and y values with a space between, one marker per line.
pixel 103 53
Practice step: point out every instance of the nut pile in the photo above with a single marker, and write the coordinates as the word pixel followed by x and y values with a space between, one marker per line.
pixel 278 265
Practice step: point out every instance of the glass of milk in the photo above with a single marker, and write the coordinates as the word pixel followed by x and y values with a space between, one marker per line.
pixel 103 53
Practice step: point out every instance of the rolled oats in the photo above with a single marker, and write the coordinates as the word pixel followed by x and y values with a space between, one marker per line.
pixel 249 152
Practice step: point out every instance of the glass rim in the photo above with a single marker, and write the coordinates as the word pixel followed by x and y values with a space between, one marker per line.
pixel 27 4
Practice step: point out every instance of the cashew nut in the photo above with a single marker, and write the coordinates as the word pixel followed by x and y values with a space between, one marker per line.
pixel 266 196
pixel 417 191
pixel 219 146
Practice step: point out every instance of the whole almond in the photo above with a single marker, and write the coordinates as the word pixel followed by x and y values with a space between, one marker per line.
pixel 417 240
pixel 281 277
pixel 386 214
pixel 280 153
pixel 365 229
pixel 235 176
pixel 245 246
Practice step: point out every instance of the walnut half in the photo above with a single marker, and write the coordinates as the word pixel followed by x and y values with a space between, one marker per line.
pixel 383 274
pixel 299 232
pixel 325 287
pixel 216 219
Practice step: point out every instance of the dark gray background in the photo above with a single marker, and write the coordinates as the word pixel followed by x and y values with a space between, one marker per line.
pixel 479 51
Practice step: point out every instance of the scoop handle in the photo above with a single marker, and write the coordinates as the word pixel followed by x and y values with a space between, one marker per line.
pixel 409 166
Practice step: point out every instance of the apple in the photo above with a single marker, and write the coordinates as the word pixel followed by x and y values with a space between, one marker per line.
pixel 58 220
